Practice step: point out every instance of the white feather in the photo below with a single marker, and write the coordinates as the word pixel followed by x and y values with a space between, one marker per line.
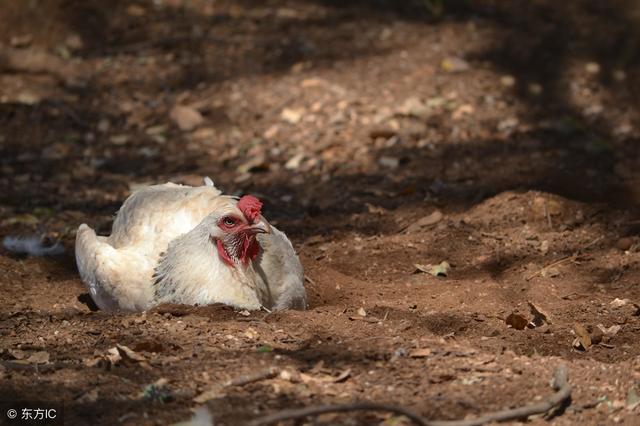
pixel 160 250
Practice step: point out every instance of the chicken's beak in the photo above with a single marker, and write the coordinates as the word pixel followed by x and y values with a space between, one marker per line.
pixel 260 226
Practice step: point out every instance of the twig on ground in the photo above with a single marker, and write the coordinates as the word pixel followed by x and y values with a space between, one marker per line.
pixel 299 413
pixel 218 389
pixel 551 265
pixel 269 373
pixel 560 397
pixel 310 280
pixel 587 405
pixel 564 259
pixel 373 320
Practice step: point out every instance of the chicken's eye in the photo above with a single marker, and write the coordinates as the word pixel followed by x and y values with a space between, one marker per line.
pixel 229 221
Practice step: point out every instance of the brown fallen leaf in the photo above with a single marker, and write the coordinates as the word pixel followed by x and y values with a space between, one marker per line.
pixel 618 303
pixel 517 321
pixel 597 336
pixel 113 356
pixel 128 354
pixel 610 331
pixel 583 339
pixel 539 316
pixel 440 270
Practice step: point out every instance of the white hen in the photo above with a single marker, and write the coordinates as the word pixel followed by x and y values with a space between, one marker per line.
pixel 191 245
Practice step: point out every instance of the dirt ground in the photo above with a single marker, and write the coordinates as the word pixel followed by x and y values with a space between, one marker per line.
pixel 500 137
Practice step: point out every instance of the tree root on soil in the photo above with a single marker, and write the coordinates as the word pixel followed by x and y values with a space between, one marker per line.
pixel 560 398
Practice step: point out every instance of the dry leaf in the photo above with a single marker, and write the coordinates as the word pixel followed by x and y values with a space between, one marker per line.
pixel 439 270
pixel 517 321
pixel 611 331
pixel 583 339
pixel 113 356
pixel 618 303
pixel 539 317
pixel 127 353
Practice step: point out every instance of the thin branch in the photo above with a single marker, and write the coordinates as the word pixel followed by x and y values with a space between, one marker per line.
pixel 323 409
pixel 551 265
pixel 560 397
pixel 564 259
pixel 269 373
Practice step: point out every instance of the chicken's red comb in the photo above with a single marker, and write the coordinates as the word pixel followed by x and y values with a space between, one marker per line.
pixel 250 206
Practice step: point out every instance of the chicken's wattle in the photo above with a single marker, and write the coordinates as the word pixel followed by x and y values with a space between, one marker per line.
pixel 245 250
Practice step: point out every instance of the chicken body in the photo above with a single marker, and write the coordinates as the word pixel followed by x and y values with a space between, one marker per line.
pixel 191 245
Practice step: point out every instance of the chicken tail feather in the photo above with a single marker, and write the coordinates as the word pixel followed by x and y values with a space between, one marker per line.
pixel 104 271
